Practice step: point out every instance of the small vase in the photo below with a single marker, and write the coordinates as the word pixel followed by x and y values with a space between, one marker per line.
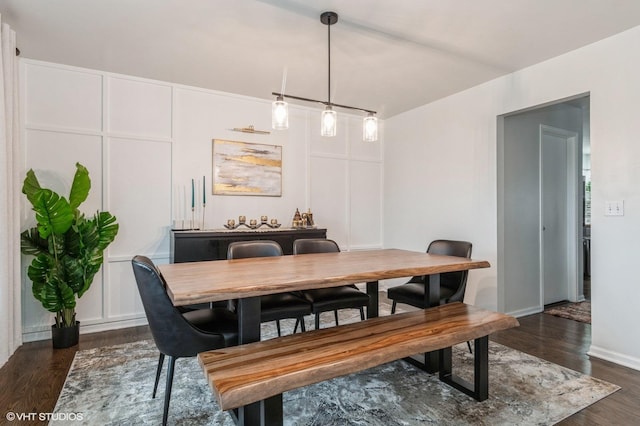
pixel 65 337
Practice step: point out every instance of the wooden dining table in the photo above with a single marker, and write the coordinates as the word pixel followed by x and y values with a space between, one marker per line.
pixel 248 279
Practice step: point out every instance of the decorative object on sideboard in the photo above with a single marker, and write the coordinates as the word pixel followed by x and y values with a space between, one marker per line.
pixel 68 249
pixel 302 221
pixel 181 206
pixel 328 120
pixel 242 168
pixel 253 223
pixel 250 129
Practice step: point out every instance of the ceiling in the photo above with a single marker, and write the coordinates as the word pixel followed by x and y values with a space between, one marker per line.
pixel 388 56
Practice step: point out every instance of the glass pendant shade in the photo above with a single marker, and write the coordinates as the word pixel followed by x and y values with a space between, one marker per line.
pixel 279 114
pixel 328 122
pixel 370 128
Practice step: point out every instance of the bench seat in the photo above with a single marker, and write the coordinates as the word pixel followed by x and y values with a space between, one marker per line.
pixel 246 374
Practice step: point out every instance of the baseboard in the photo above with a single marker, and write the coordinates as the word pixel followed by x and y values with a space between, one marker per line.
pixel 525 312
pixel 615 357
pixel 35 336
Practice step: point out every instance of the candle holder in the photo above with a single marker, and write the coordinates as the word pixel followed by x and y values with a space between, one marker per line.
pixel 253 223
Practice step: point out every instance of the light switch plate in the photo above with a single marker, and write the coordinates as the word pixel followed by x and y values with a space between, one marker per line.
pixel 614 208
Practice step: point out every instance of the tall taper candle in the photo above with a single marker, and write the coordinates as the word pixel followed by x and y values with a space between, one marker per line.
pixel 204 193
pixel 193 194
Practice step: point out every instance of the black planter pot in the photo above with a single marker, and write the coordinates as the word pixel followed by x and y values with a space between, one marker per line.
pixel 65 337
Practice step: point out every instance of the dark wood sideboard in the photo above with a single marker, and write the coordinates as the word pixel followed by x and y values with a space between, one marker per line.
pixel 192 246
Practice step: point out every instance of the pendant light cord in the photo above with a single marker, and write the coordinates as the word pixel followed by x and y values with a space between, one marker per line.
pixel 329 63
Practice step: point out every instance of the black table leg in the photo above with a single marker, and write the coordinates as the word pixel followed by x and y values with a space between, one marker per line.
pixel 248 320
pixel 431 299
pixel 372 291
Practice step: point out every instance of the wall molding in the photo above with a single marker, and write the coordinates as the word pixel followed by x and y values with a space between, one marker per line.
pixel 44 332
pixel 524 312
pixel 615 357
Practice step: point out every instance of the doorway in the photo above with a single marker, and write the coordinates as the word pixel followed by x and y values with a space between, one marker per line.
pixel 539 168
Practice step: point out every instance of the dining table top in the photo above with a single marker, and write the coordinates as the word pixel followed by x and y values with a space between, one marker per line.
pixel 211 281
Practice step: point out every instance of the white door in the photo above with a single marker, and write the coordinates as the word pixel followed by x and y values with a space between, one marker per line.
pixel 558 215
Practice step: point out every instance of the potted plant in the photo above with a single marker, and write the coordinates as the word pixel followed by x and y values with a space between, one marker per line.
pixel 68 249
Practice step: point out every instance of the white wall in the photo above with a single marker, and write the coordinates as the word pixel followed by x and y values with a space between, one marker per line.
pixel 143 141
pixel 440 176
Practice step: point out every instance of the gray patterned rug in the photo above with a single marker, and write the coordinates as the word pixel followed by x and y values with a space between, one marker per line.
pixel 113 386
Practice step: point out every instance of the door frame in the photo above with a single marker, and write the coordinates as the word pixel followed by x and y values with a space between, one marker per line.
pixel 573 213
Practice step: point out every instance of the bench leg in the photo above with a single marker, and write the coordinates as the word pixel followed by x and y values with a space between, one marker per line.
pixel 428 361
pixel 480 387
pixel 267 412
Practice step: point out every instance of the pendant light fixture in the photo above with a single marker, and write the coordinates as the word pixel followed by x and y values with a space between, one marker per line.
pixel 279 114
pixel 329 117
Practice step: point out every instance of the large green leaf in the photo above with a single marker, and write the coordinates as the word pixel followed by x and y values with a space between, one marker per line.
pixel 49 284
pixel 31 243
pixel 80 186
pixel 30 185
pixel 75 272
pixel 107 228
pixel 53 213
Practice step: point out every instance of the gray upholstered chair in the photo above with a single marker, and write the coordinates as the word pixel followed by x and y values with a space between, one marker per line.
pixel 274 307
pixel 452 284
pixel 178 334
pixel 333 298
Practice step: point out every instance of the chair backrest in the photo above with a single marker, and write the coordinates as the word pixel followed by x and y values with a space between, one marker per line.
pixel 455 281
pixel 257 248
pixel 450 248
pixel 315 245
pixel 172 333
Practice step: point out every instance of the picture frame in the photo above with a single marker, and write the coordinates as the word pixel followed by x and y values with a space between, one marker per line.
pixel 245 168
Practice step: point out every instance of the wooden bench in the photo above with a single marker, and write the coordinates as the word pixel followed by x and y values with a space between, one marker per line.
pixel 252 377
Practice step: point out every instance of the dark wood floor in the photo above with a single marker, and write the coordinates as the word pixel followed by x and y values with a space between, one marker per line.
pixel 33 377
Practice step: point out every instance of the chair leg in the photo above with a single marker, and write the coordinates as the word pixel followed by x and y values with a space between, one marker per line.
pixel 278 327
pixel 361 313
pixel 318 321
pixel 302 326
pixel 167 392
pixel 335 314
pixel 158 371
pixel 393 307
pixel 469 346
pixel 295 327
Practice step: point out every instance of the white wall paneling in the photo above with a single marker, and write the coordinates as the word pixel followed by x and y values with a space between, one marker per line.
pixel 139 193
pixel 329 202
pixel 138 107
pixel 62 97
pixel 346 184
pixel 365 201
pixel 156 137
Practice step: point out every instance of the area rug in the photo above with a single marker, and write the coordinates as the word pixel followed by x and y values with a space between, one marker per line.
pixel 113 386
pixel 580 311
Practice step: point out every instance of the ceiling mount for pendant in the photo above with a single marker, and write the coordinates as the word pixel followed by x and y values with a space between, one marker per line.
pixel 328 122
pixel 329 18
